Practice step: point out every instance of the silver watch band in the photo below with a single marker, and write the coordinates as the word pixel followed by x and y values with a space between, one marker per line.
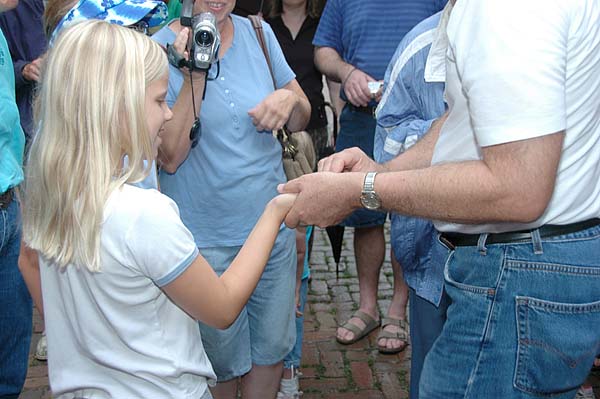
pixel 369 184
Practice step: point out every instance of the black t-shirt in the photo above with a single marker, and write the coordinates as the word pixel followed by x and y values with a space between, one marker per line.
pixel 299 54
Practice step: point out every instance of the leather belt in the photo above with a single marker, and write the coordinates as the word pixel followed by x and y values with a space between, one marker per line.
pixel 453 240
pixel 6 198
pixel 364 110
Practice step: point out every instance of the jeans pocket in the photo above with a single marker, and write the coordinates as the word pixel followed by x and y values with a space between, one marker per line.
pixel 557 343
pixel 461 285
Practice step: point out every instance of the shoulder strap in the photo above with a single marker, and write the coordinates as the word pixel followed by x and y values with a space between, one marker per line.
pixel 257 25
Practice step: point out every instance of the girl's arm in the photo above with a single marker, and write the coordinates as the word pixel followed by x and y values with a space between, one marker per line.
pixel 30 270
pixel 217 301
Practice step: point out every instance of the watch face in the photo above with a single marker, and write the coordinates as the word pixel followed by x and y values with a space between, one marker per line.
pixel 370 200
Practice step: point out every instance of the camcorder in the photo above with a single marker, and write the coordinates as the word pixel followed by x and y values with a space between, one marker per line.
pixel 205 41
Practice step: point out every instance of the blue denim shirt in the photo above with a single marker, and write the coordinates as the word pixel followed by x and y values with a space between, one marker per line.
pixel 405 113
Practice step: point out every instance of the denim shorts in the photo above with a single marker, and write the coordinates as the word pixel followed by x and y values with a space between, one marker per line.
pixel 523 320
pixel 265 331
pixel 357 129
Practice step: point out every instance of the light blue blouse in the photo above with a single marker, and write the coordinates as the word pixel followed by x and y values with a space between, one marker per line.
pixel 228 178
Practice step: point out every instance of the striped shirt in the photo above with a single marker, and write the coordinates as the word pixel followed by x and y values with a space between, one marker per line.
pixel 366 33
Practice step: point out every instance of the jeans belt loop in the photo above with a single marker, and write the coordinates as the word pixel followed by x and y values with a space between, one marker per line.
pixel 536 240
pixel 481 244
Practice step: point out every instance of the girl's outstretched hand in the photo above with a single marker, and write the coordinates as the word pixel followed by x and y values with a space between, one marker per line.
pixel 282 204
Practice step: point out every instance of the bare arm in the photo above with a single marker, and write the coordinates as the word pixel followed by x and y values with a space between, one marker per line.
pixel 329 62
pixel 176 142
pixel 417 157
pixel 30 270
pixel 217 301
pixel 513 183
pixel 334 95
pixel 353 80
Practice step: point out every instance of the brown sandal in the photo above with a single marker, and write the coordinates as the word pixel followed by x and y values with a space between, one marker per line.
pixel 370 325
pixel 401 335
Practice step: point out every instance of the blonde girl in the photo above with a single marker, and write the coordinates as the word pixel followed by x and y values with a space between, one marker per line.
pixel 122 279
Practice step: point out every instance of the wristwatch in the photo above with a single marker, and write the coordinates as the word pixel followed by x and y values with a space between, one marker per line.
pixel 368 197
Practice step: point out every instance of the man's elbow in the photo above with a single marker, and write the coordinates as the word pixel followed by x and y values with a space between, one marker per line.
pixel 528 208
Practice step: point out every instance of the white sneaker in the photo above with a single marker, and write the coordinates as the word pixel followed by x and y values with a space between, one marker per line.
pixel 585 392
pixel 290 388
pixel 41 351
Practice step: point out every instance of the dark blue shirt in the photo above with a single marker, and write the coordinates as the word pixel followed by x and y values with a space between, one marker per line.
pixel 366 33
pixel 24 33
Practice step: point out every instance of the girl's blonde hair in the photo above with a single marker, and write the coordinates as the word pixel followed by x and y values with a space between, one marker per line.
pixel 90 110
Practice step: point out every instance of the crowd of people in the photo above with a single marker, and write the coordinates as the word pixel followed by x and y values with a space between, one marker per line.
pixel 146 213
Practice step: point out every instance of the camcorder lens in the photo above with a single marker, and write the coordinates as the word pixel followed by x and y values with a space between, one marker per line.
pixel 204 38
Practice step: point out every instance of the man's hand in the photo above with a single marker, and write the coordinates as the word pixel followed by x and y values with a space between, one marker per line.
pixel 324 199
pixel 274 111
pixel 356 87
pixel 350 160
pixel 32 71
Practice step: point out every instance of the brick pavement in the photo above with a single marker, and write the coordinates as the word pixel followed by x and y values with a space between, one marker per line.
pixel 330 370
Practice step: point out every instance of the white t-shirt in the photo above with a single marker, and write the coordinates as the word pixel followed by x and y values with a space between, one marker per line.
pixel 519 69
pixel 115 333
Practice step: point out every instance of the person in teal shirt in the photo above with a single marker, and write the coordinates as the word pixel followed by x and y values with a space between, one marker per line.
pixel 15 302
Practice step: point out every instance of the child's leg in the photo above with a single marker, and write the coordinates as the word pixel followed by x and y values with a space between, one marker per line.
pixel 291 363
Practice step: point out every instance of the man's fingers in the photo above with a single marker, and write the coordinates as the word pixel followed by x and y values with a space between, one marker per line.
pixel 291 187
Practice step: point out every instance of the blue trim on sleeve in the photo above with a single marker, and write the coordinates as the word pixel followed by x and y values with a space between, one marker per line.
pixel 182 267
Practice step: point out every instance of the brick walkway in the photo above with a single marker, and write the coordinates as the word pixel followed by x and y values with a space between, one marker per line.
pixel 330 370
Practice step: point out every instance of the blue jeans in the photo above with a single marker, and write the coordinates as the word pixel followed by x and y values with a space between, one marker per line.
pixel 293 358
pixel 426 323
pixel 523 320
pixel 15 306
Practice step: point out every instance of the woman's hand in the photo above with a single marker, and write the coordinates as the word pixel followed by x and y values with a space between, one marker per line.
pixel 180 44
pixel 274 111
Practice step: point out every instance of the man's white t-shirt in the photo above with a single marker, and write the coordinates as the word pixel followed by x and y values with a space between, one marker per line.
pixel 519 69
pixel 115 333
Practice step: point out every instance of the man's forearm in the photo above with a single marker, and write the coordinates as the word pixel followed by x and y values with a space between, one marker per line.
pixel 329 62
pixel 514 183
